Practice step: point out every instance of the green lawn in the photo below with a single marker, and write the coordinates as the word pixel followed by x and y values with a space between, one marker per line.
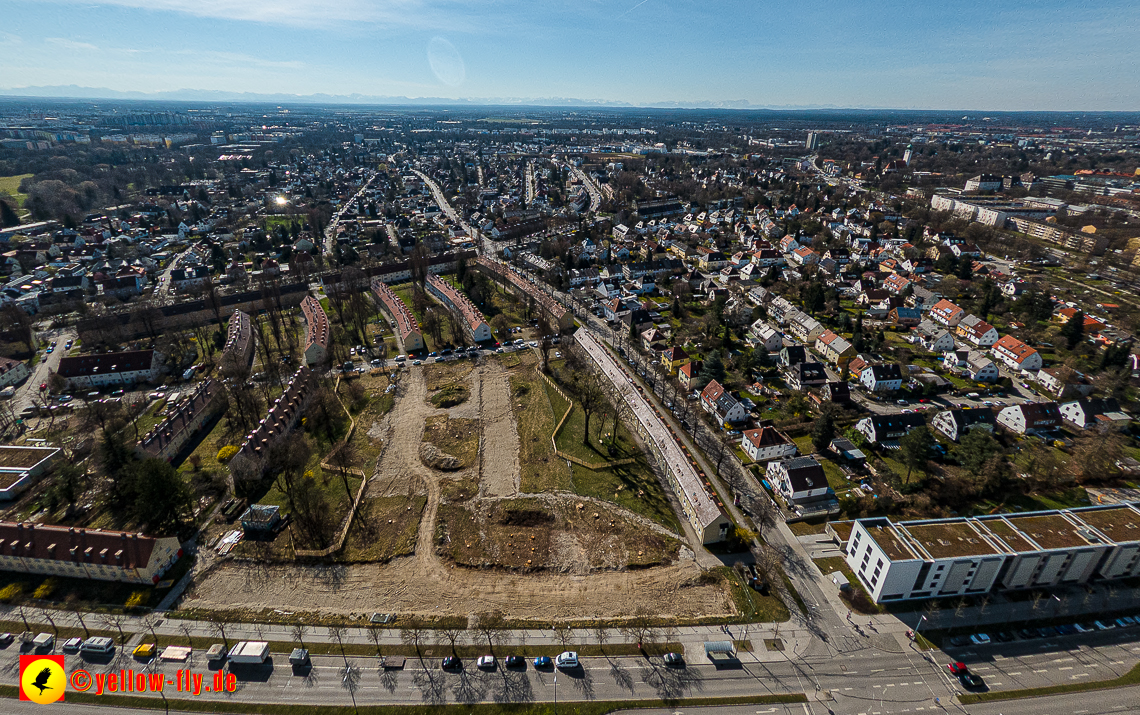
pixel 11 185
pixel 404 291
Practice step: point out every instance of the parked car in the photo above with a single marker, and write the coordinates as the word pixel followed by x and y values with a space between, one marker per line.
pixel 567 659
pixel 6 639
pixel 957 668
pixel 674 660
pixel 144 650
pixel 71 645
pixel 970 681
pixel 450 663
pixel 515 661
pixel 485 662
pixel 980 639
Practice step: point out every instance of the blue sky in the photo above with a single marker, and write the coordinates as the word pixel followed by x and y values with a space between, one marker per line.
pixel 944 55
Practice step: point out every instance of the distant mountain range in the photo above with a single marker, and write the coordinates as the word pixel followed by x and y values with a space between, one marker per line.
pixel 71 91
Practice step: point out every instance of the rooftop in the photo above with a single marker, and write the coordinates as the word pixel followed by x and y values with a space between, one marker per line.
pixel 1050 531
pixel 1012 538
pixel 889 541
pixel 1119 523
pixel 950 539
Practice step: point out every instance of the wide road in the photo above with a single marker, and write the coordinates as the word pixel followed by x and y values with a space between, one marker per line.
pixel 330 231
pixel 30 390
pixel 870 680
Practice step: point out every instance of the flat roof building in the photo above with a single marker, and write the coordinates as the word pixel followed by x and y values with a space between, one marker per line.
pixel 999 552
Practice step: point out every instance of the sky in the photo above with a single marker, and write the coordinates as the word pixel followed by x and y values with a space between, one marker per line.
pixel 950 54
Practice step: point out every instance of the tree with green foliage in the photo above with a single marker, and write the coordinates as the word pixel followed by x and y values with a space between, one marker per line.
pixel 159 496
pixel 713 369
pixel 1074 329
pixel 916 448
pixel 822 433
pixel 857 333
pixel 975 449
pixel 1115 355
pixel 814 298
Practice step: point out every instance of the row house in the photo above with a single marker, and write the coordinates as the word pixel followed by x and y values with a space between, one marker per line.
pixel 882 377
pixel 1016 354
pixel 803 327
pixel 947 313
pixel 95 554
pixel 934 337
pixel 183 422
pixel 1091 413
pixel 317 331
pixel 976 331
pixel 880 429
pixel 721 404
pixel 124 368
pixel 238 350
pixel 767 443
pixel 1030 417
pixel 408 331
pixel 973 364
pixel 474 324
pixel 834 348
pixel 253 455
pixel 954 423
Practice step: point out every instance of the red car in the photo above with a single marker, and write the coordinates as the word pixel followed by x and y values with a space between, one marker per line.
pixel 957 668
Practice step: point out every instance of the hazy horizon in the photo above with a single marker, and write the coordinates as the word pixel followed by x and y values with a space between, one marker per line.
pixel 1019 56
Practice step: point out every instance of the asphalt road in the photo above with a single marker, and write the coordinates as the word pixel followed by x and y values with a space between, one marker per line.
pixel 870 680
pixel 31 387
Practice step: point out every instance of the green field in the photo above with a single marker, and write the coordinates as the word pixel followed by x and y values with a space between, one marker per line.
pixel 11 185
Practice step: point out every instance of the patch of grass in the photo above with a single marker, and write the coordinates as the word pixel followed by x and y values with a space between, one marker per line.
pixel 458 437
pixel 805 528
pixel 11 185
pixel 451 395
pixel 857 599
pixel 541 470
pixel 753 606
pixel 1132 677
pixel 385 528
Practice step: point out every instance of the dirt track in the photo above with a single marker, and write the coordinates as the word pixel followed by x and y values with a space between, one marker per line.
pixel 423 583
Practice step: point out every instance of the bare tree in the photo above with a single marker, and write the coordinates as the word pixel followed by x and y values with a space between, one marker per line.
pixel 338 632
pixel 564 633
pixel 452 634
pixel 218 627
pixel 298 631
pixel 489 626
pixel 116 621
pixel 414 633
pixel 375 634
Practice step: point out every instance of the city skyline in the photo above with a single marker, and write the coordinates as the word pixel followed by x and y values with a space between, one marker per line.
pixel 965 55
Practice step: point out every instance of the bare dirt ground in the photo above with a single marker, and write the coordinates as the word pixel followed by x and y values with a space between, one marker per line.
pixel 499 450
pixel 580 581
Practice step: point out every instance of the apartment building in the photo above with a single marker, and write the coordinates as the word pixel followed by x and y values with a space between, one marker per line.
pixel 407 327
pixel 474 324
pixel 183 421
pixel 283 416
pixel 95 554
pixel 1016 354
pixel 940 558
pixel 125 368
pixel 317 331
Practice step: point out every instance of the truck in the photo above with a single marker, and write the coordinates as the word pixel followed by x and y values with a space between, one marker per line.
pixel 252 652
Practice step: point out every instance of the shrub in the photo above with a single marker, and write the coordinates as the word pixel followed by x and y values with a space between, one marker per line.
pixel 227 453
pixel 46 588
pixel 10 592
pixel 137 598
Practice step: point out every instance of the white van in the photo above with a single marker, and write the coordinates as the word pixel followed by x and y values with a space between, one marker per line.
pixel 99 645
pixel 401 358
pixel 43 641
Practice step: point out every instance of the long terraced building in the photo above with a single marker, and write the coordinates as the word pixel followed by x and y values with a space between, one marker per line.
pixel 317 333
pixel 407 328
pixel 474 324
pixel 562 318
pixel 283 416
pixel 238 351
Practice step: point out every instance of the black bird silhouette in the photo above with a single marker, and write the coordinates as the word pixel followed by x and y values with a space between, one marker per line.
pixel 42 679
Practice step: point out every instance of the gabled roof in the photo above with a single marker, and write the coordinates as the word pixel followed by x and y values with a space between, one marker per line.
pixel 765 437
pixel 1019 350
pixel 107 363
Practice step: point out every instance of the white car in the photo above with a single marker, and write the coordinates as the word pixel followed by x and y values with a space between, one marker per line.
pixel 566 659
pixel 485 662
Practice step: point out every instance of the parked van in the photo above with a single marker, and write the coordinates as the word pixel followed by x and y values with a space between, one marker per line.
pixel 99 645
pixel 401 358
pixel 7 392
pixel 43 641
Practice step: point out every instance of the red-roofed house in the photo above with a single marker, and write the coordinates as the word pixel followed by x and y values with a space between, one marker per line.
pixel 1016 354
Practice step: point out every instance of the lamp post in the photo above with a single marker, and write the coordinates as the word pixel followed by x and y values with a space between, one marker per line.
pixel 556 692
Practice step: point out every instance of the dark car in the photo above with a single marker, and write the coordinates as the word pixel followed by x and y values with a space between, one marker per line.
pixel 971 682
pixel 1004 636
pixel 515 661
pixel 1027 633
pixel 959 641
pixel 674 660
pixel 543 661
pixel 451 663
pixel 1067 630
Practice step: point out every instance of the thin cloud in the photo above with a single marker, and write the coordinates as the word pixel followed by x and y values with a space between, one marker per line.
pixel 298 13
pixel 71 44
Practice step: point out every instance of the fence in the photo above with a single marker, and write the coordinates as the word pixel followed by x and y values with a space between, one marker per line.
pixel 338 543
pixel 562 422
